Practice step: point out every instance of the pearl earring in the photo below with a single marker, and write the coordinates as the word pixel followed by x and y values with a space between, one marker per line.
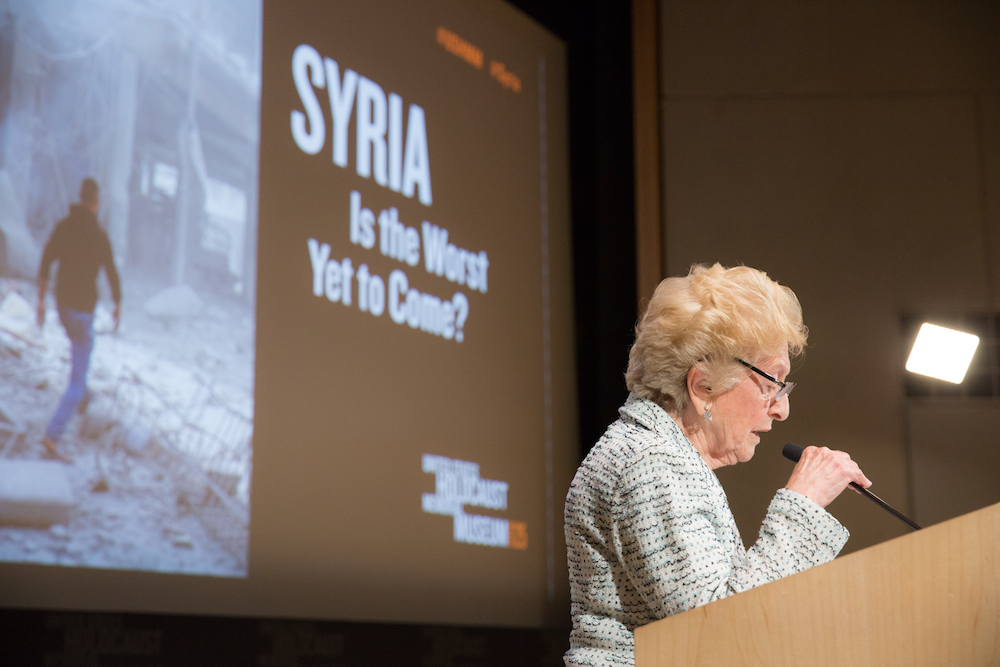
pixel 708 413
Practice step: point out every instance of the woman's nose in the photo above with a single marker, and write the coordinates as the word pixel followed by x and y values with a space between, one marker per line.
pixel 779 409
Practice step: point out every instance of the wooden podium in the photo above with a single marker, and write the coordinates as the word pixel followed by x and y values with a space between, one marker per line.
pixel 928 598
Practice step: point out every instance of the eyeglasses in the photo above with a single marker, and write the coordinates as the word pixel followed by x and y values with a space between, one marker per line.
pixel 785 387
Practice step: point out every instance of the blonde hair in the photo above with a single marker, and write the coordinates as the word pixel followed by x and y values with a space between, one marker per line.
pixel 714 315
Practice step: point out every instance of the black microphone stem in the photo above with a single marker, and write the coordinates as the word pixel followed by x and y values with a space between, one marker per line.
pixel 794 452
pixel 886 506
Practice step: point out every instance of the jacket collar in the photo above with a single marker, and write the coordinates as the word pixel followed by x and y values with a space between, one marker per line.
pixel 648 414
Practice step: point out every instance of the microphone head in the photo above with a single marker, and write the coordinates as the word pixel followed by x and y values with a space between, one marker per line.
pixel 792 451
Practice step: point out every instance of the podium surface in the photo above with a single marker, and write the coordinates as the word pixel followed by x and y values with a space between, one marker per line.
pixel 928 598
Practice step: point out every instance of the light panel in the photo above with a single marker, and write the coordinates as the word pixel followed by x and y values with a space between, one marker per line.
pixel 942 353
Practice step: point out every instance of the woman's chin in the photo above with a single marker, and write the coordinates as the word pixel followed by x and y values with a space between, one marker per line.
pixel 747 452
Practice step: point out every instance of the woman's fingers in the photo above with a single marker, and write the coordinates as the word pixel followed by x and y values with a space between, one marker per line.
pixel 822 473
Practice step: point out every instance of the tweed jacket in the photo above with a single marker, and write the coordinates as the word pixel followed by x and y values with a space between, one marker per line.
pixel 649 534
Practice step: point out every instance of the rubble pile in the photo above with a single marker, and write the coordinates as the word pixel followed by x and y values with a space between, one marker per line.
pixel 161 458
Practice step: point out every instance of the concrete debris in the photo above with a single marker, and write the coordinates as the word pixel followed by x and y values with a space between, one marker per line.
pixel 174 303
pixel 178 538
pixel 17 322
pixel 104 321
pixel 20 253
pixel 164 441
pixel 134 439
pixel 94 424
pixel 10 346
pixel 34 493
pixel 11 429
pixel 16 307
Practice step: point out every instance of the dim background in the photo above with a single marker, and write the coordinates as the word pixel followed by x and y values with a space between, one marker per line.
pixel 849 149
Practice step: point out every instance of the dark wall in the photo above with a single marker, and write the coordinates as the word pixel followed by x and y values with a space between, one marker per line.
pixel 852 151
pixel 599 48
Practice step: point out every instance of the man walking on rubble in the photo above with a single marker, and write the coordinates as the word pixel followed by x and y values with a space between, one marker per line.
pixel 82 248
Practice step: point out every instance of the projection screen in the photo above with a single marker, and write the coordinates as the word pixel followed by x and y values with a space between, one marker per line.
pixel 342 385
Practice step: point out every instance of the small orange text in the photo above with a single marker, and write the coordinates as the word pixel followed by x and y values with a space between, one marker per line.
pixel 460 47
pixel 508 80
pixel 518 534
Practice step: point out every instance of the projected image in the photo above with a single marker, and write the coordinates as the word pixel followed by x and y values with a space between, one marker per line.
pixel 126 442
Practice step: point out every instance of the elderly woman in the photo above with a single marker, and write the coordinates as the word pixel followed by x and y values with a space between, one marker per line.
pixel 648 527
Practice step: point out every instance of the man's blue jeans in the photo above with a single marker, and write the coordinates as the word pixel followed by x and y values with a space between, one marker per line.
pixel 80 329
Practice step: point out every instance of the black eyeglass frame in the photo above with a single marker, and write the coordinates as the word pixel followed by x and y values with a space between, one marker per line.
pixel 785 387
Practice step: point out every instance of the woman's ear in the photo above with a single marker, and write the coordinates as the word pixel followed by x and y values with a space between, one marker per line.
pixel 699 388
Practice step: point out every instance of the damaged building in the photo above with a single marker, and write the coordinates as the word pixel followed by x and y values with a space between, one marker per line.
pixel 159 103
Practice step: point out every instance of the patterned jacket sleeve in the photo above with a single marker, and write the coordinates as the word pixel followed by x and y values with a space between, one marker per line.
pixel 680 546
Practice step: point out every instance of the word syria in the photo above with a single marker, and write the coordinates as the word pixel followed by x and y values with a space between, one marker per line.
pixel 397 160
pixel 379 137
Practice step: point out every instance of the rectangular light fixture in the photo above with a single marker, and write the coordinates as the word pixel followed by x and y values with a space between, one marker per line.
pixel 942 353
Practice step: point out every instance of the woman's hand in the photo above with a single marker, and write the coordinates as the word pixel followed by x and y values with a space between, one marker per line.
pixel 822 473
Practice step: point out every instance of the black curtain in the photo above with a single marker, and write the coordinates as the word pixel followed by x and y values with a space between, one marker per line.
pixel 598 37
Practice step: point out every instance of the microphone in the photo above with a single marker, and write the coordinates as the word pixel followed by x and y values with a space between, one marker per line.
pixel 794 452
